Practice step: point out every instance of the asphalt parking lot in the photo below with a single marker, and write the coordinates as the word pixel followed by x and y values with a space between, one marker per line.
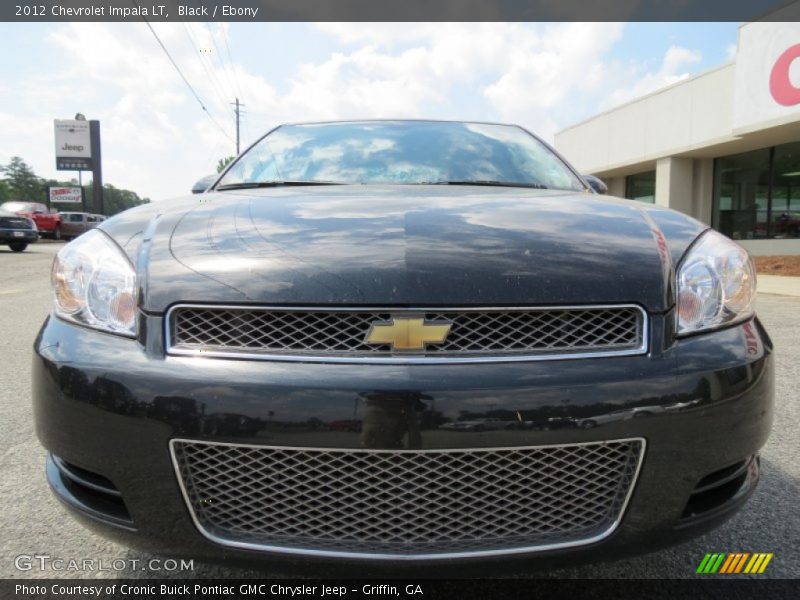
pixel 33 522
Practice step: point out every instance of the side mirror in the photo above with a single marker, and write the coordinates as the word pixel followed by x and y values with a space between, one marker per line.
pixel 596 184
pixel 203 184
pixel 38 212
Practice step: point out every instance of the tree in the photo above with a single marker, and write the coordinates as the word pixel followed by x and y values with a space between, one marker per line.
pixel 21 181
pixel 115 200
pixel 5 191
pixel 224 162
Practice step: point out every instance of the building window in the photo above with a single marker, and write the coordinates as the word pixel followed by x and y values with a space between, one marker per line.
pixel 757 194
pixel 785 213
pixel 641 186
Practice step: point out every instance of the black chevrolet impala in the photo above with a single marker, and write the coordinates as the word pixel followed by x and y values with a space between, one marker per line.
pixel 408 342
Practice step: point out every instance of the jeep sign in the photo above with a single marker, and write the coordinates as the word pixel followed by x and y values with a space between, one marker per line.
pixel 73 145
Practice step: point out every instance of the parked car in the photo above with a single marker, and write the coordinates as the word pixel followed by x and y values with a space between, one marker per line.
pixel 75 223
pixel 485 424
pixel 376 271
pixel 17 232
pixel 47 222
pixel 621 415
pixel 560 422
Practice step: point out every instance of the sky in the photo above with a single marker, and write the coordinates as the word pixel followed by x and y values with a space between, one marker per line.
pixel 157 140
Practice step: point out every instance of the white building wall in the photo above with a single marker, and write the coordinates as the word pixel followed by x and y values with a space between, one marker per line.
pixel 616 186
pixel 702 189
pixel 675 183
pixel 683 117
pixel 771 247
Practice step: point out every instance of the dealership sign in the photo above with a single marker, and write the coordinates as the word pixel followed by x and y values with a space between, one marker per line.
pixel 767 88
pixel 71 195
pixel 73 145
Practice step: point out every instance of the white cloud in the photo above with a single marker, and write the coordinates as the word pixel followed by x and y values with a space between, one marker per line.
pixel 552 74
pixel 515 72
pixel 673 69
pixel 377 34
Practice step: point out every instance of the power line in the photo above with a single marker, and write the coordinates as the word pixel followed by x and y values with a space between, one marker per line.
pixel 186 81
pixel 230 59
pixel 212 76
pixel 215 85
pixel 219 57
pixel 211 72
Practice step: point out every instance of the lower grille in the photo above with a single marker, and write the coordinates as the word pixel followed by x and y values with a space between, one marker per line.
pixel 407 503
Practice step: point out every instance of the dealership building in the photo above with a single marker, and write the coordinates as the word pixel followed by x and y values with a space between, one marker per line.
pixel 722 146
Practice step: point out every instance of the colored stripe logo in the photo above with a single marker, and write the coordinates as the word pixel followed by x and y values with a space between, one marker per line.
pixel 734 562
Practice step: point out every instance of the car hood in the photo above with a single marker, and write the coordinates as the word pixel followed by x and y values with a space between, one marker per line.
pixel 403 245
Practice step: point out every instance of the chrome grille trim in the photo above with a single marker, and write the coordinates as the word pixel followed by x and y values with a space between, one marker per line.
pixel 624 491
pixel 431 356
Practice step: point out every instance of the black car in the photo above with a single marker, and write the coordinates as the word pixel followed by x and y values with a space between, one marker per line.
pixel 401 275
pixel 17 232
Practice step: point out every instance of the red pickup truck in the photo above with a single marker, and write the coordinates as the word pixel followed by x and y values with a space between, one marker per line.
pixel 49 224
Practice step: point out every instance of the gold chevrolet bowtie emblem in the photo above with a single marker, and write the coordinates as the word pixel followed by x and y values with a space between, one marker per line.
pixel 408 333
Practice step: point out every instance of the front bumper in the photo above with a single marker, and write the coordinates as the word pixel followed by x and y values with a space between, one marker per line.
pixel 111 406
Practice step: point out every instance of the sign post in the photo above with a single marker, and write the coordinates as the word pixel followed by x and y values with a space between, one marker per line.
pixel 78 149
pixel 97 171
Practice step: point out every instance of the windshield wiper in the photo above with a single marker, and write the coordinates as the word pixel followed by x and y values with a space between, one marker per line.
pixel 491 183
pixel 246 185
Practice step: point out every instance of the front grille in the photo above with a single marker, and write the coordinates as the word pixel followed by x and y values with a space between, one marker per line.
pixel 406 503
pixel 14 223
pixel 343 333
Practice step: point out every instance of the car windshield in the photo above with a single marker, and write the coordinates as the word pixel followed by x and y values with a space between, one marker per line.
pixel 401 152
pixel 15 207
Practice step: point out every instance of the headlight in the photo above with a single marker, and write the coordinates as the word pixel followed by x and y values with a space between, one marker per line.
pixel 95 284
pixel 716 284
pixel 33 224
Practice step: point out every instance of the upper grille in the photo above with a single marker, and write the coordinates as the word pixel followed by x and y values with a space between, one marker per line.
pixel 327 333
pixel 14 223
pixel 406 503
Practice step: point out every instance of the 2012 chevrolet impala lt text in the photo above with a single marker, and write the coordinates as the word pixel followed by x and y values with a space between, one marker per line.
pixel 402 341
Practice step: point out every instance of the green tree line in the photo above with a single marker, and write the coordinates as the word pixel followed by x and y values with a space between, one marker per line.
pixel 19 182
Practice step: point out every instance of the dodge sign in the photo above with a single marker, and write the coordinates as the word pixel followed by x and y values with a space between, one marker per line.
pixel 71 195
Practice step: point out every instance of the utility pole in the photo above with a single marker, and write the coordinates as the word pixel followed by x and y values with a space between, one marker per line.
pixel 238 114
